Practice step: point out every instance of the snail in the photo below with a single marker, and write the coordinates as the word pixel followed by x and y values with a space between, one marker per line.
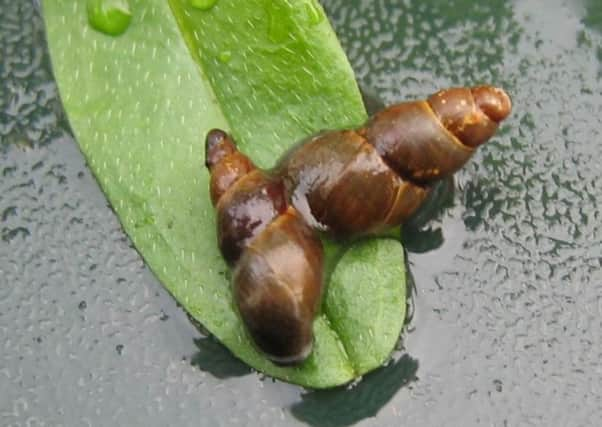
pixel 346 183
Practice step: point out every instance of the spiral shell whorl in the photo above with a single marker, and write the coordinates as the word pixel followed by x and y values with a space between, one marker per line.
pixel 346 182
pixel 278 286
pixel 425 141
pixel 277 258
pixel 471 114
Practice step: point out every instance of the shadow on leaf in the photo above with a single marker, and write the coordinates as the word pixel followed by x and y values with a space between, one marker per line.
pixel 345 406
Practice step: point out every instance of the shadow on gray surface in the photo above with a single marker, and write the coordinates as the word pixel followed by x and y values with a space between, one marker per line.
pixel 217 360
pixel 345 406
pixel 372 100
pixel 421 234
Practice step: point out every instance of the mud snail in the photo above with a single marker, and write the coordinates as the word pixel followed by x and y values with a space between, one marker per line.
pixel 344 182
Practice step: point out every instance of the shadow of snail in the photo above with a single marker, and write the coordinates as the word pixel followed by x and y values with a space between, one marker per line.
pixel 346 183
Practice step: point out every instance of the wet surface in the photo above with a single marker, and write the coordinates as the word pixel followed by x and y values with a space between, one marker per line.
pixel 508 278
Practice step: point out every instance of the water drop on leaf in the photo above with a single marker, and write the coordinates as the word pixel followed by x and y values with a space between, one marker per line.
pixel 203 4
pixel 224 56
pixel 111 17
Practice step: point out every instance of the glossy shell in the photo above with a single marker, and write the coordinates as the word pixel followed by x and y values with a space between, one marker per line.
pixel 348 183
pixel 277 288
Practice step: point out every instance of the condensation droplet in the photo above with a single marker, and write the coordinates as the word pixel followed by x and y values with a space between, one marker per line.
pixel 203 4
pixel 111 17
pixel 8 212
pixel 8 234
pixel 225 56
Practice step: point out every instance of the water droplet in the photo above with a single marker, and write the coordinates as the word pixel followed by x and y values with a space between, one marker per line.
pixel 313 13
pixel 9 234
pixel 203 4
pixel 23 143
pixel 111 17
pixel 8 212
pixel 224 56
pixel 9 171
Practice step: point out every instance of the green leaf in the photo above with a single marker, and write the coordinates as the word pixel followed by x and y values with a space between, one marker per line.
pixel 140 105
pixel 366 301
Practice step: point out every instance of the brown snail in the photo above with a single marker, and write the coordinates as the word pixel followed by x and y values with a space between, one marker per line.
pixel 346 183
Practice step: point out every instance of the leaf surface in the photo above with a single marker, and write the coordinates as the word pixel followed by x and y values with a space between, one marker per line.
pixel 270 72
pixel 365 301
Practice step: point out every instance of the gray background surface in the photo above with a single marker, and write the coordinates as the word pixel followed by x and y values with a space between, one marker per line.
pixel 506 330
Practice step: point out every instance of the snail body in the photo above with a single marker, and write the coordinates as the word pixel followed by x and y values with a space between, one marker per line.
pixel 346 183
pixel 277 258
